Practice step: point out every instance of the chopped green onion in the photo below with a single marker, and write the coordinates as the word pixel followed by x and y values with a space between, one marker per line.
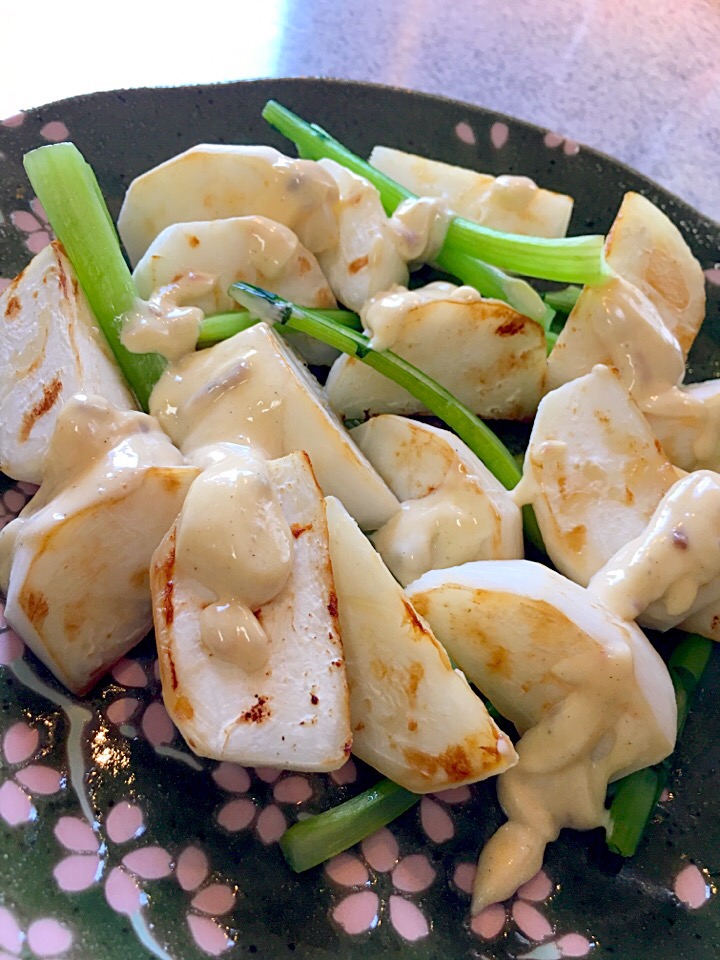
pixel 316 839
pixel 492 282
pixel 439 401
pixel 222 326
pixel 637 794
pixel 568 260
pixel 68 190
pixel 563 300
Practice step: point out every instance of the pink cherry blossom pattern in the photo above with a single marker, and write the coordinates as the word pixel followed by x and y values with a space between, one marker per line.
pixel 347 870
pixel 192 868
pixel 208 935
pixel 5 283
pixel 554 140
pixel 712 275
pixel 346 774
pixel 358 913
pixel 293 789
pixel 16 120
pixel 465 133
pixel 54 131
pixel 45 937
pixel 499 134
pixel 20 746
pixel 692 887
pixel 435 821
pixel 33 223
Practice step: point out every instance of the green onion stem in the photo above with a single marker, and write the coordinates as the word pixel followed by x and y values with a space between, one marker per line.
pixel 222 326
pixel 568 260
pixel 492 282
pixel 68 190
pixel 316 839
pixel 562 300
pixel 479 438
pixel 637 794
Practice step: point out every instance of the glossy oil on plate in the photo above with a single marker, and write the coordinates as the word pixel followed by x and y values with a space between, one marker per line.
pixel 116 843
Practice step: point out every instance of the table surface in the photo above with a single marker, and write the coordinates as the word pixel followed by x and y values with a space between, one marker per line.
pixel 638 79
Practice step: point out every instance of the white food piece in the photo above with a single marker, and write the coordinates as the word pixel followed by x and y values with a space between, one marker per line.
pixel 74 564
pixel 490 357
pixel 617 325
pixel 414 718
pixel 706 622
pixel 366 258
pixel 687 424
pixel 593 472
pixel 591 697
pixel 646 248
pixel 269 688
pixel 50 349
pixel 216 181
pixel 252 389
pixel 249 249
pixel 672 570
pixel 452 509
pixel 509 203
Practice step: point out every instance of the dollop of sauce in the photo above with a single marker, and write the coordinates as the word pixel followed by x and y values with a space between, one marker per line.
pixel 420 226
pixel 233 539
pixel 439 530
pixel 673 568
pixel 161 325
pixel 511 192
pixel 385 315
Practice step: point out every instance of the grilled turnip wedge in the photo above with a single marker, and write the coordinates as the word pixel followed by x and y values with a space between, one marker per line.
pixel 366 258
pixel 250 656
pixel 672 569
pixel 593 472
pixel 253 389
pixel 509 203
pixel 50 349
pixel 252 249
pixel 490 357
pixel 616 324
pixel 414 718
pixel 687 424
pixel 214 182
pixel 646 248
pixel 74 564
pixel 453 510
pixel 589 694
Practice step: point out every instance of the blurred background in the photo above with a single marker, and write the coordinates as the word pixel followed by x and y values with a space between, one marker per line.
pixel 639 80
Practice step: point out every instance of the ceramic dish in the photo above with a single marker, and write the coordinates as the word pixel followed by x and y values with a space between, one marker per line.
pixel 117 844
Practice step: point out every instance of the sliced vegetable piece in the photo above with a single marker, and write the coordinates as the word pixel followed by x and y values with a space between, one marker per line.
pixel 510 203
pixel 574 260
pixel 68 190
pixel 490 357
pixel 316 839
pixel 216 181
pixel 50 349
pixel 253 389
pixel 452 509
pixel 479 438
pixel 74 564
pixel 645 247
pixel 265 686
pixel 594 472
pixel 591 697
pixel 413 717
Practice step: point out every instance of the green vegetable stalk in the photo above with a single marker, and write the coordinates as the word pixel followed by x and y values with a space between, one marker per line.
pixel 637 794
pixel 222 326
pixel 439 401
pixel 317 839
pixel 570 260
pixel 68 190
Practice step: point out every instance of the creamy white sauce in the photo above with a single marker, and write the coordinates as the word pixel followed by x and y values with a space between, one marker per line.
pixel 512 193
pixel 420 226
pixel 233 539
pixel 384 316
pixel 161 325
pixel 673 568
pixel 436 531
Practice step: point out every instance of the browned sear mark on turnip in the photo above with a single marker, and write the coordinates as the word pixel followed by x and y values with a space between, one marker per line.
pixel 51 392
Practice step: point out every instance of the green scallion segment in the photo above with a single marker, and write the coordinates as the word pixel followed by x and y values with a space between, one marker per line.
pixel 439 401
pixel 636 795
pixel 563 300
pixel 492 282
pixel 567 260
pixel 317 839
pixel 68 190
pixel 222 326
